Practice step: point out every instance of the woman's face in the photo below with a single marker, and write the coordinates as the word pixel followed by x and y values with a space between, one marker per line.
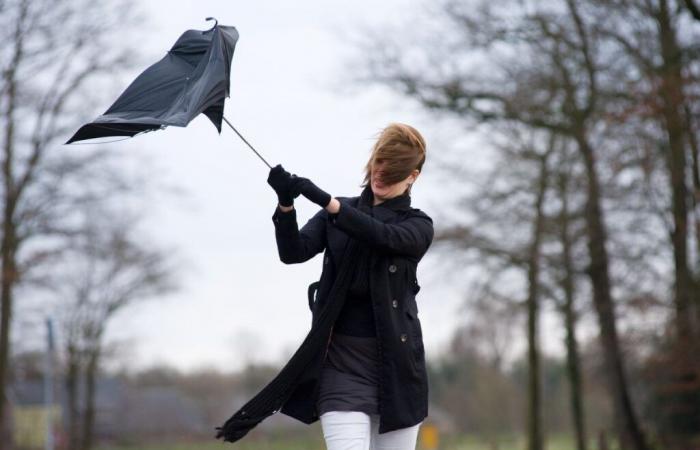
pixel 386 191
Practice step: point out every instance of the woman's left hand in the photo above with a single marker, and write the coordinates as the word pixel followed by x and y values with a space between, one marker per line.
pixel 306 187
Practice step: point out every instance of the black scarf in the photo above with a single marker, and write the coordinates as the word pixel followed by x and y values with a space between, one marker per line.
pixel 360 278
pixel 273 396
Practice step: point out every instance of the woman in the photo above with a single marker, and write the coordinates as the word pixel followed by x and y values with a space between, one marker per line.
pixel 371 389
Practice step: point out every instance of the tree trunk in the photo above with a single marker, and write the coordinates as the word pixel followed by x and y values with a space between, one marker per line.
pixel 603 441
pixel 8 271
pixel 680 397
pixel 535 433
pixel 671 92
pixel 7 253
pixel 72 381
pixel 571 344
pixel 91 370
pixel 6 285
pixel 695 155
pixel 626 422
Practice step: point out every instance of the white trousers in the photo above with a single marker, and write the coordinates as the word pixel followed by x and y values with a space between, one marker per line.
pixel 354 430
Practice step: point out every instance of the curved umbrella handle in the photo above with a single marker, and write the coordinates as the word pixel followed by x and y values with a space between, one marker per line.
pixel 216 22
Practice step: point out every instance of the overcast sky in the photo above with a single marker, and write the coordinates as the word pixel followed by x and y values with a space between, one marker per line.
pixel 238 301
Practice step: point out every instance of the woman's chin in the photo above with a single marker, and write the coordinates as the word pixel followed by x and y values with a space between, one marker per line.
pixel 378 192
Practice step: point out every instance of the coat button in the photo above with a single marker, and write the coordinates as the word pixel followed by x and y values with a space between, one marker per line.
pixel 403 337
pixel 394 303
pixel 392 268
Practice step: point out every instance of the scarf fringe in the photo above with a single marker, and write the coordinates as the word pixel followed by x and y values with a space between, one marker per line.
pixel 237 426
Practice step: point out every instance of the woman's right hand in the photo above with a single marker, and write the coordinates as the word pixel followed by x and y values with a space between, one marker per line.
pixel 280 180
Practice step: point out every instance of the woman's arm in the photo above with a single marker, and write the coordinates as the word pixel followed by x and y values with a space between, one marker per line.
pixel 295 245
pixel 411 237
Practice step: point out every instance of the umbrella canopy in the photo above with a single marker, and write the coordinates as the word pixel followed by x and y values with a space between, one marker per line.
pixel 192 78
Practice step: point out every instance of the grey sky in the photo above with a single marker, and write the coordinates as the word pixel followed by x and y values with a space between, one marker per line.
pixel 238 300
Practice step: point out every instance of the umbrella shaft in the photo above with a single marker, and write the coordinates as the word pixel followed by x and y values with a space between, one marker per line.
pixel 247 143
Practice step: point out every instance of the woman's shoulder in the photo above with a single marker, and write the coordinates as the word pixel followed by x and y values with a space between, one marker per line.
pixel 417 212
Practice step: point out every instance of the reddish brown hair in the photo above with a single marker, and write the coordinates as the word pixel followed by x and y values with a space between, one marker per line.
pixel 402 148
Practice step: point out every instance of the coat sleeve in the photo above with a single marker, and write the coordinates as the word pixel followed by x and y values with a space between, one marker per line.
pixel 410 237
pixel 295 245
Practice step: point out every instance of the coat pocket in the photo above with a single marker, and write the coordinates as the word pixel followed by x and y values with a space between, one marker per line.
pixel 412 279
pixel 415 330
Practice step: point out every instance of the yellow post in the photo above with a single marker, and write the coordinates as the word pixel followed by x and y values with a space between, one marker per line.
pixel 429 436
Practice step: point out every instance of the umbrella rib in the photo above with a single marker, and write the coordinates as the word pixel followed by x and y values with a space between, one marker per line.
pixel 247 143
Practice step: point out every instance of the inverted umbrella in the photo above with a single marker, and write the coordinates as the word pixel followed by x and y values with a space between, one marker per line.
pixel 192 78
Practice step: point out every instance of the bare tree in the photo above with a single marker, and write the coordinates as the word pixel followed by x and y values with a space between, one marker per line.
pixel 106 270
pixel 53 50
pixel 515 196
pixel 656 41
pixel 540 67
pixel 647 35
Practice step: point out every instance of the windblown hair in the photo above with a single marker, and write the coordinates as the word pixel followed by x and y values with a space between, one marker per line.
pixel 402 148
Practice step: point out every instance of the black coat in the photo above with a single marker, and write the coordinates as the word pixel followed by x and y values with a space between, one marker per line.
pixel 399 236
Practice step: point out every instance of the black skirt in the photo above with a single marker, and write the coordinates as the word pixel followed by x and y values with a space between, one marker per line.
pixel 350 375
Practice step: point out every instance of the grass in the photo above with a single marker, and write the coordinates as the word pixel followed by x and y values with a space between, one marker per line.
pixel 307 442
pixel 253 441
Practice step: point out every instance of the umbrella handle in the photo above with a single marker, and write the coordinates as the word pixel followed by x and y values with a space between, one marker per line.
pixel 216 22
pixel 247 143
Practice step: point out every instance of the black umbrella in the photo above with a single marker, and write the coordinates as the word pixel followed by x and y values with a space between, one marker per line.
pixel 192 78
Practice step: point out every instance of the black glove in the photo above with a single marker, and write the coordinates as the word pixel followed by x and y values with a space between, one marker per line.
pixel 309 190
pixel 280 180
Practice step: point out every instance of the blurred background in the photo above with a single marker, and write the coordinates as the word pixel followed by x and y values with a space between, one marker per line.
pixel 142 297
